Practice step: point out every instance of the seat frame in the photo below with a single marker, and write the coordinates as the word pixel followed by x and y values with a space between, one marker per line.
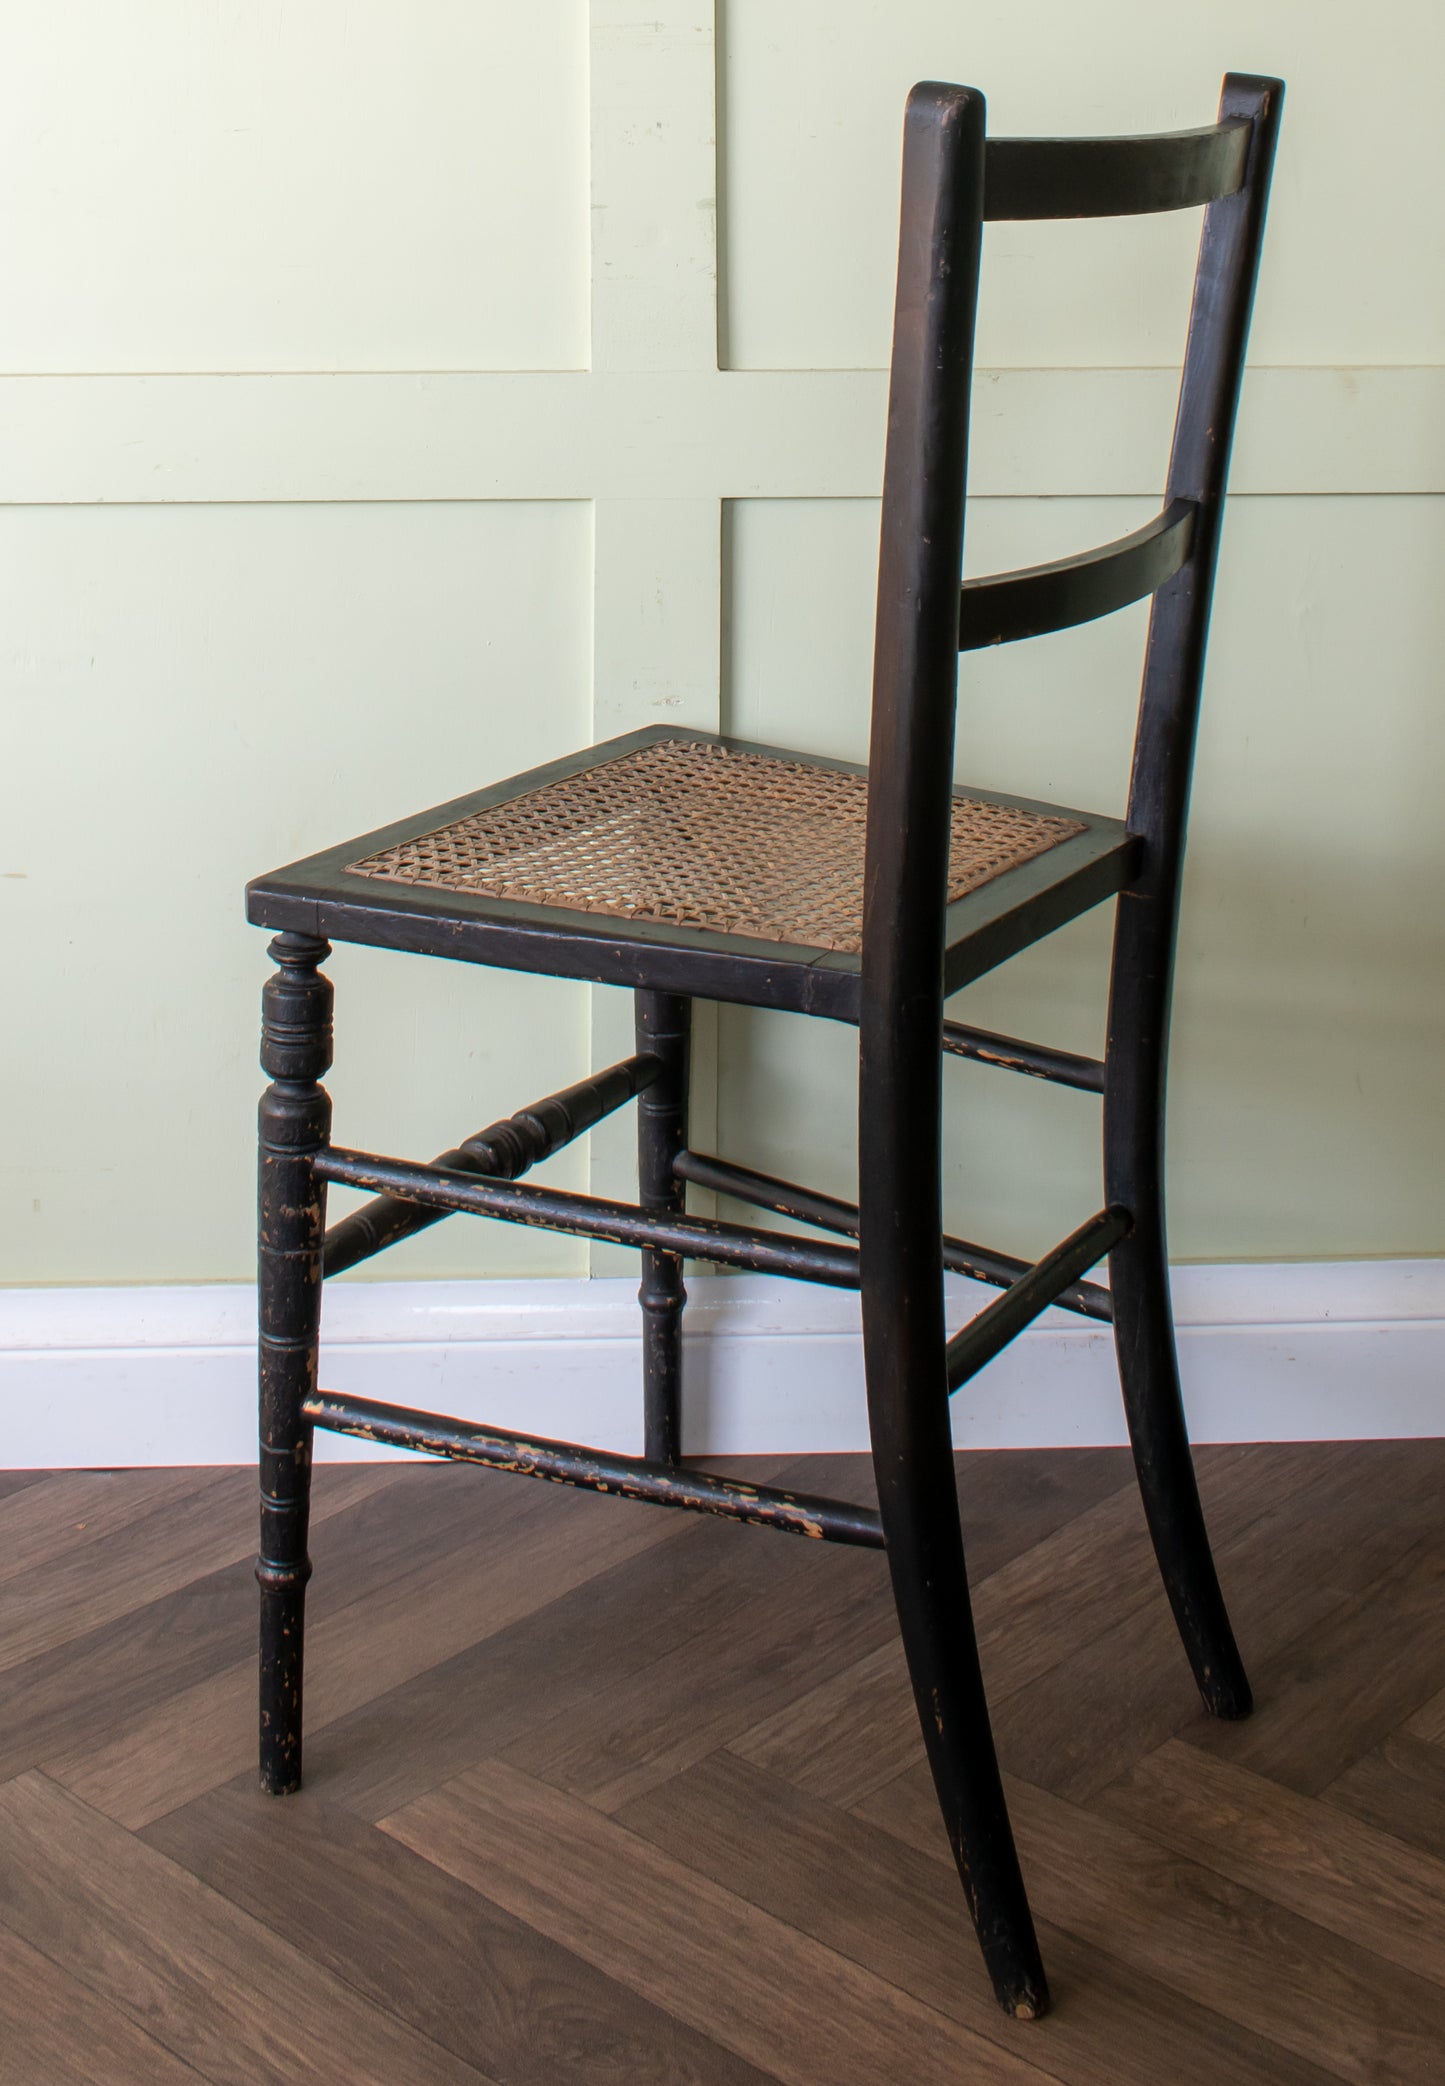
pixel 916 950
pixel 320 898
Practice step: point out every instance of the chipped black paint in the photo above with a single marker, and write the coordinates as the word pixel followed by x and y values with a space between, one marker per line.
pixel 596 1470
pixel 588 1216
pixel 1037 1060
pixel 960 1256
pixel 294 1120
pixel 504 1151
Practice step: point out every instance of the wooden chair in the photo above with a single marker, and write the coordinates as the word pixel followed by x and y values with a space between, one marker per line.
pixel 682 866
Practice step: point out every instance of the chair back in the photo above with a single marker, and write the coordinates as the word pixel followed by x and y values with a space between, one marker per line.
pixel 955 178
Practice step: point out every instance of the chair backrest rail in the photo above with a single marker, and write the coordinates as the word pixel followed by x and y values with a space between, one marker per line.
pixel 1113 177
pixel 1038 598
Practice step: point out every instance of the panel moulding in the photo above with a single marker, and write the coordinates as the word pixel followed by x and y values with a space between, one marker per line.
pixel 699 433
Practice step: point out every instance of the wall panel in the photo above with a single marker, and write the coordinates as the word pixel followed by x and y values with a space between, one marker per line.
pixel 372 423
pixel 195 694
pixel 342 185
pixel 1306 1110
pixel 812 95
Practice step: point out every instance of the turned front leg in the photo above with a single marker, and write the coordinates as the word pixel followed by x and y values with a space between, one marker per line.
pixel 295 1123
pixel 663 1030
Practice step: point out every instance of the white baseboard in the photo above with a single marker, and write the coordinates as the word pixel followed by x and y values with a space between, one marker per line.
pixel 1291 1352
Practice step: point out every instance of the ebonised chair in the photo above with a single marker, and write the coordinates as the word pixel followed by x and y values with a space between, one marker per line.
pixel 684 866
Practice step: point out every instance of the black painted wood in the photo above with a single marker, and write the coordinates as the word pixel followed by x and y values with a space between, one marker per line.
pixel 915 683
pixel 1114 177
pixel 1068 591
pixel 991 1331
pixel 1038 1060
pixel 1141 990
pixel 592 1217
pixel 295 1121
pixel 505 1151
pixel 960 1256
pixel 901 1010
pixel 917 950
pixel 317 896
pixel 664 1032
pixel 656 1481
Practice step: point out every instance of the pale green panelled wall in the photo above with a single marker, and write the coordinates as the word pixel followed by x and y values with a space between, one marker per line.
pixel 198 689
pixel 1307 1081
pixel 393 398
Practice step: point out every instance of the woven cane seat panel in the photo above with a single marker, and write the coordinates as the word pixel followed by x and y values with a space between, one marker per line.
pixel 702 836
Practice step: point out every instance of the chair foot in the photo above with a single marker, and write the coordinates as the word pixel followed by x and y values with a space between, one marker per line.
pixel 930 1586
pixel 295 1123
pixel 1154 1407
pixel 283 1635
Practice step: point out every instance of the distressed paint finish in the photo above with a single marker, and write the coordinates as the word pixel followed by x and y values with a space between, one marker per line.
pixel 829 1213
pixel 915 690
pixel 907 970
pixel 917 948
pixel 1038 1060
pixel 505 1151
pixel 587 1216
pixel 295 1122
pixel 659 1483
pixel 1147 919
pixel 664 1032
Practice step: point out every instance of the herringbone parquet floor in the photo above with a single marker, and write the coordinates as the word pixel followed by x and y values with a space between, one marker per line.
pixel 600 1793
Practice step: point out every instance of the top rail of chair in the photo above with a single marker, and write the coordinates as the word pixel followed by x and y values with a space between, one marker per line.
pixel 1114 177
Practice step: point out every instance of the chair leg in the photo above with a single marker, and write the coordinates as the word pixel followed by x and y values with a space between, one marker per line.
pixel 1134 1099
pixel 913 1460
pixel 295 1122
pixel 1154 1407
pixel 664 1025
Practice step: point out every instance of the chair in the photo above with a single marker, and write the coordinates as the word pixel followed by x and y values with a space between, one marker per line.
pixel 683 865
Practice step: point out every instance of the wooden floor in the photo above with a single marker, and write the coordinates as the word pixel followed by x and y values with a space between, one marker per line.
pixel 597 1792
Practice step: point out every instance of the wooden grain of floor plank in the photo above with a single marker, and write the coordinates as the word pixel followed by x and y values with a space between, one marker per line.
pixel 867 1895
pixel 207 1981
pixel 1282 1977
pixel 859 1728
pixel 96 1691
pixel 779 1999
pixel 78 1507
pixel 202 1528
pixel 1428 1722
pixel 206 1735
pixel 1083 1724
pixel 480 1982
pixel 52 2028
pixel 1240 1928
pixel 1285 1575
pixel 553 1665
pixel 1363 1885
pixel 1308 1727
pixel 1399 1787
pixel 20 1480
pixel 549 1669
pixel 816 1605
pixel 1011 1499
pixel 177 1540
